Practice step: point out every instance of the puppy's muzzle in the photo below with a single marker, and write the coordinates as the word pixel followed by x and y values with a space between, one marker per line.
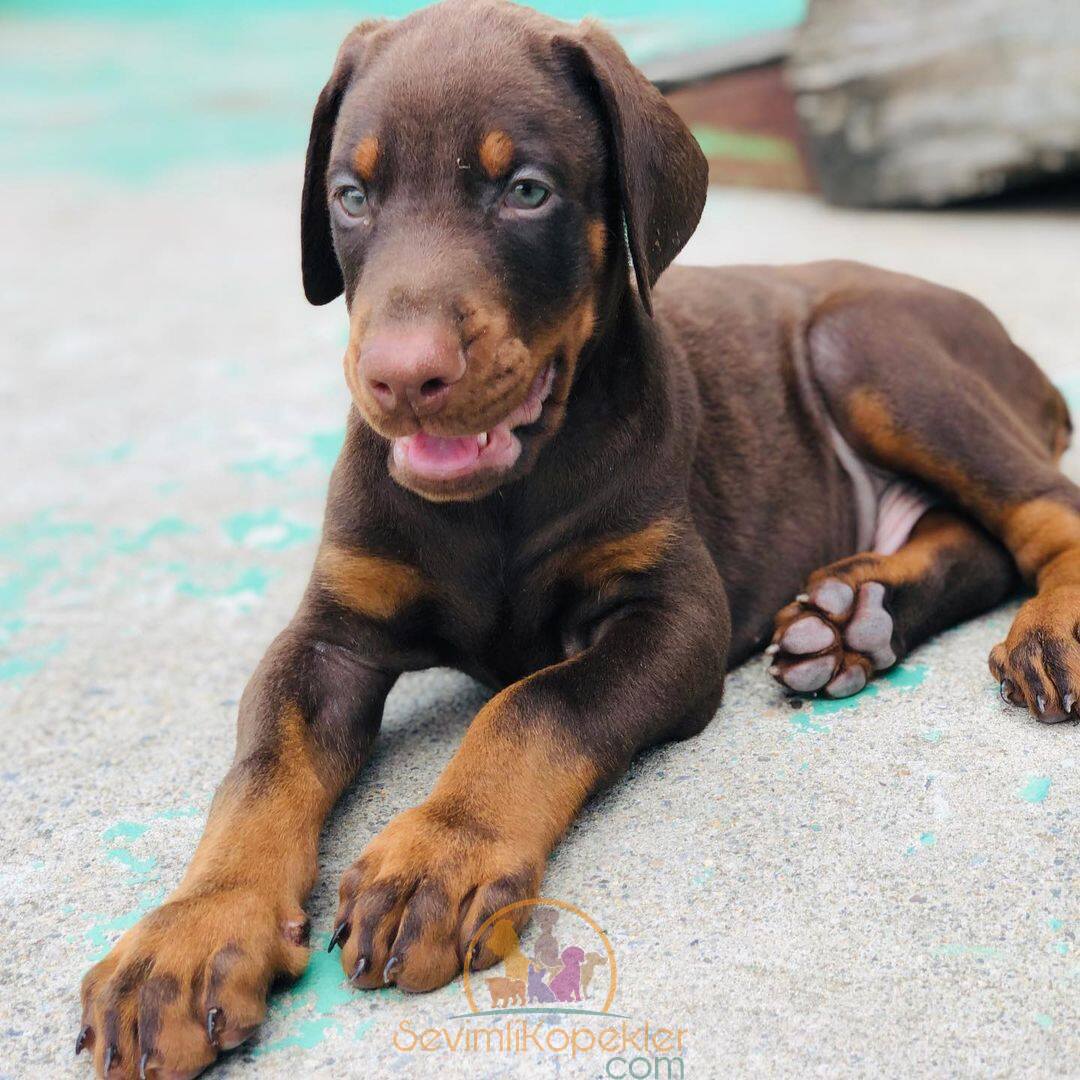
pixel 409 370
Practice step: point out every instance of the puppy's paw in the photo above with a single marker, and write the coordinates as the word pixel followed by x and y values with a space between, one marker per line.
pixel 1038 664
pixel 187 982
pixel 833 639
pixel 414 900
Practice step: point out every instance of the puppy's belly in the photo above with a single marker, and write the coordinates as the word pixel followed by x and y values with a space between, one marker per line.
pixel 887 506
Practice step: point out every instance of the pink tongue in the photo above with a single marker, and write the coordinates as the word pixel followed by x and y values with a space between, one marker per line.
pixel 439 452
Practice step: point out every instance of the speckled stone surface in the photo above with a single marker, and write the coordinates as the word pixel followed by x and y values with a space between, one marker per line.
pixel 886 886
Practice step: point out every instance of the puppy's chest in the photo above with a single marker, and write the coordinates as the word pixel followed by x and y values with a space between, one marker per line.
pixel 510 614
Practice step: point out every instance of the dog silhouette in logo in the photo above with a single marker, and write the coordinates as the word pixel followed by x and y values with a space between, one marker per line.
pixel 567 984
pixel 538 989
pixel 503 942
pixel 547 947
pixel 591 962
pixel 506 992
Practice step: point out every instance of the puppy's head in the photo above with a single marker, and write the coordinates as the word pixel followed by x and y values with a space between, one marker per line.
pixel 476 176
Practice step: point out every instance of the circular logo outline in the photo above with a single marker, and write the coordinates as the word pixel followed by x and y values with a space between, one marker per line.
pixel 538 901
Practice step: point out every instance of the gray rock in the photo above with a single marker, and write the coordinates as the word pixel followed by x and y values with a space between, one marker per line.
pixel 935 101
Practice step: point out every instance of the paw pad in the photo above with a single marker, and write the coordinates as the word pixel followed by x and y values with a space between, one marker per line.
pixel 833 639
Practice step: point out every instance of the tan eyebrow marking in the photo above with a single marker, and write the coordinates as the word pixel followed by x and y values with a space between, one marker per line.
pixel 366 157
pixel 496 153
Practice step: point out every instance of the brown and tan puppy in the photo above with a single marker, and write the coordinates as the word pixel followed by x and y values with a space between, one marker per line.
pixel 589 491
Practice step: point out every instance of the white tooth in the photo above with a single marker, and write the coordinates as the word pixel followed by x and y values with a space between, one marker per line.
pixel 482 439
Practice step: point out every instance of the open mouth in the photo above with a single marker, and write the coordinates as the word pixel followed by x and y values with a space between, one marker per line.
pixel 444 458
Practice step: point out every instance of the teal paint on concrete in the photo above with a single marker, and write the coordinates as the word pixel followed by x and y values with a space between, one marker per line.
pixel 273 467
pixel 114 454
pixel 251 581
pixel 18 539
pixel 16 585
pixel 987 952
pixel 1044 1021
pixel 128 832
pixel 905 676
pixel 321 452
pixel 802 723
pixel 1036 789
pixel 926 840
pixel 103 930
pixel 30 559
pixel 321 1002
pixel 140 868
pixel 101 935
pixel 125 543
pixel 326 445
pixel 933 735
pixel 18 667
pixel 268 529
pixel 1055 924
pixel 29 661
pixel 705 877
pixel 124 830
pixel 901 677
pixel 179 812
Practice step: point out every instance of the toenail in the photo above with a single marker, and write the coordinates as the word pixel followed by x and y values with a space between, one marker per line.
pixel 391 965
pixel 213 1026
pixel 361 967
pixel 340 935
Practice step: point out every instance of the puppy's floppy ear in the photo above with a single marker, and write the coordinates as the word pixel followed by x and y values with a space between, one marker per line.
pixel 322 274
pixel 663 175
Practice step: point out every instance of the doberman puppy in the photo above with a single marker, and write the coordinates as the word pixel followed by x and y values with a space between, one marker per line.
pixel 587 489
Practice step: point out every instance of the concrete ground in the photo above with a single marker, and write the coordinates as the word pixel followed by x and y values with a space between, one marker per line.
pixel 886 886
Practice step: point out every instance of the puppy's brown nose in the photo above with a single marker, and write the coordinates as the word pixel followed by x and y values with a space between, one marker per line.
pixel 412 367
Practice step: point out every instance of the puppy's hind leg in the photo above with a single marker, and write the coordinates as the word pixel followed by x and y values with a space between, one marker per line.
pixel 925 383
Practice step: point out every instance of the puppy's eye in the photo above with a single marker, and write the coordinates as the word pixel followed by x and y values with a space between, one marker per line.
pixel 353 201
pixel 527 194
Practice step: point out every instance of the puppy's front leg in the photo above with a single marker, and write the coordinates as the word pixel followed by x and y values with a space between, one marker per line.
pixel 422 888
pixel 191 978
